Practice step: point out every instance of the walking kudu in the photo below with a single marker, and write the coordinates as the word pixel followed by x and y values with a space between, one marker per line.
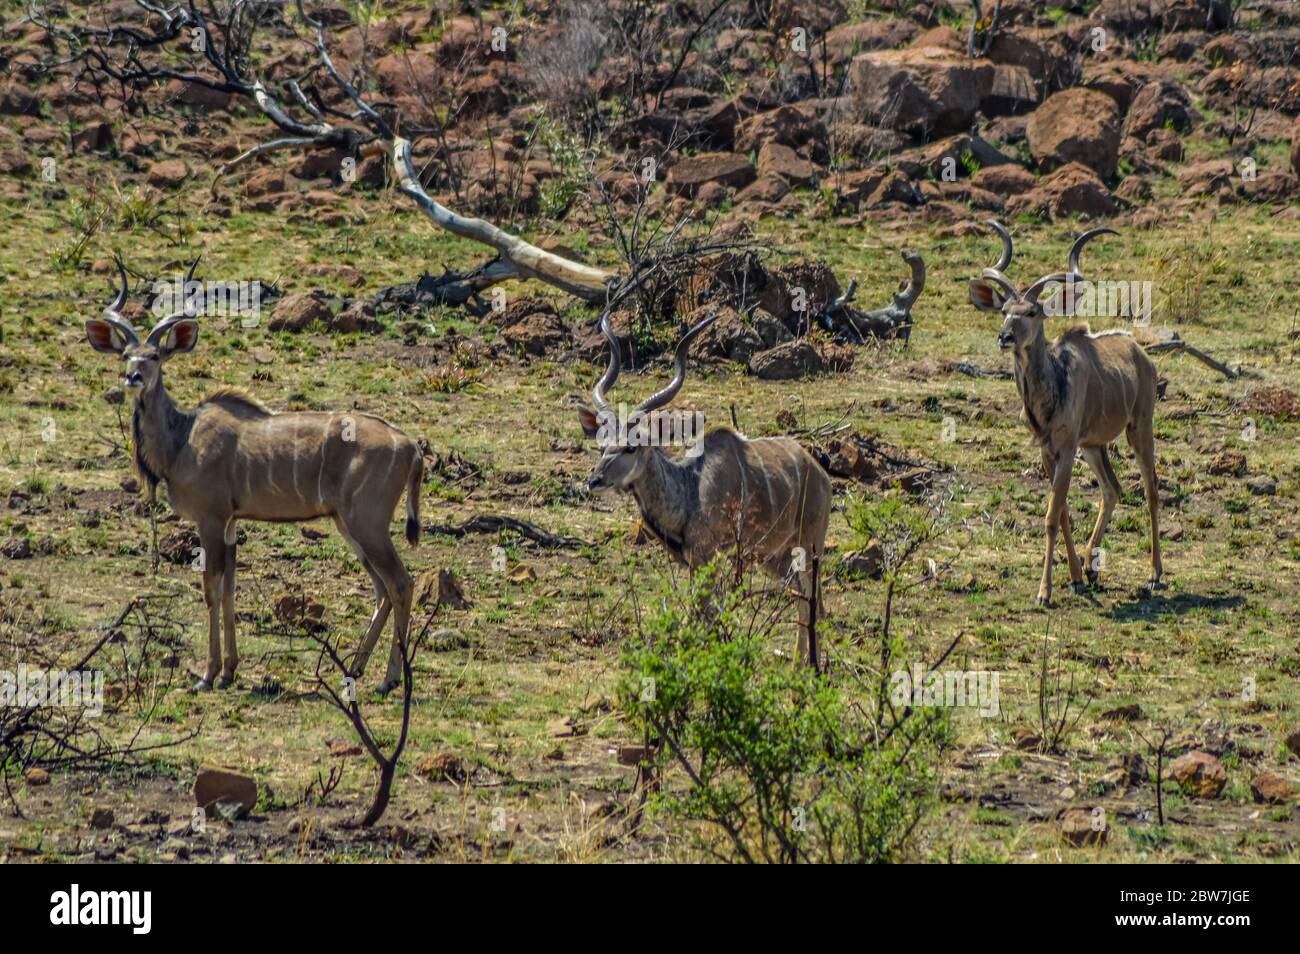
pixel 231 459
pixel 1079 393
pixel 767 498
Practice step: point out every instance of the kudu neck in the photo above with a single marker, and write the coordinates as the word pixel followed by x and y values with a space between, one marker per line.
pixel 159 428
pixel 664 492
pixel 1040 381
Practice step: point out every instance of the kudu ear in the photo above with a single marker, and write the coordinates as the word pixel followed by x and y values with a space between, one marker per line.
pixel 104 337
pixel 986 296
pixel 182 336
pixel 589 421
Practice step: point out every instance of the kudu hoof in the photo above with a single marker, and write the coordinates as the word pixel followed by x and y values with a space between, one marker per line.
pixel 1091 576
pixel 1157 584
pixel 1043 601
pixel 225 682
pixel 1080 587
pixel 203 685
pixel 387 686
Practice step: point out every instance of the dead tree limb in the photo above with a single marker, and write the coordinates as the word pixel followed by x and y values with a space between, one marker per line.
pixel 1177 345
pixel 494 523
pixel 118 53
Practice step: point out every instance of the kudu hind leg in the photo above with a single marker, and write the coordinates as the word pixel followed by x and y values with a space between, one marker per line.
pixel 230 653
pixel 798 584
pixel 1143 442
pixel 383 605
pixel 384 564
pixel 1098 461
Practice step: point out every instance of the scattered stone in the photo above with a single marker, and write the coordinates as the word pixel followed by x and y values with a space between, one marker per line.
pixel 441 767
pixel 792 359
pixel 102 818
pixel 631 754
pixel 1293 742
pixel 168 173
pixel 299 311
pixel 1199 773
pixel 224 791
pixel 37 777
pixel 687 176
pixel 298 610
pixel 1004 180
pixel 926 90
pixel 17 548
pixel 1262 485
pixel 1228 463
pixel 847 458
pixel 522 573
pixel 566 728
pixel 342 748
pixel 1273 789
pixel 729 337
pixel 440 588
pixel 866 563
pixel 1076 125
pixel 1081 827
pixel 1074 189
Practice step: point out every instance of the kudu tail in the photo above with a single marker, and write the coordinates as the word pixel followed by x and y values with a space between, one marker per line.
pixel 413 483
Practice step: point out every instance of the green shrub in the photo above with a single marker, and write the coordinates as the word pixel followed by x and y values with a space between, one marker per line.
pixel 766 761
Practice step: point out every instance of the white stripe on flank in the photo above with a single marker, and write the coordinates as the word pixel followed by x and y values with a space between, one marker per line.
pixel 324 446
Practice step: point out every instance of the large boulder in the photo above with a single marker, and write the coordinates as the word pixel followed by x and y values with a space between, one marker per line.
pixel 1199 774
pixel 1295 148
pixel 849 39
pixel 223 792
pixel 775 159
pixel 925 90
pixel 1157 105
pixel 687 176
pixel 728 338
pixel 298 312
pixel 793 359
pixel 1139 17
pixel 1004 180
pixel 786 125
pixel 533 326
pixel 1073 189
pixel 1076 125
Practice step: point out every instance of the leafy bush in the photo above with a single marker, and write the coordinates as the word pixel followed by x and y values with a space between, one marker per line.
pixel 770 762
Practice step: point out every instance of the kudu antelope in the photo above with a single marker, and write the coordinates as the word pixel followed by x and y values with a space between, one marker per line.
pixel 1079 393
pixel 766 498
pixel 231 459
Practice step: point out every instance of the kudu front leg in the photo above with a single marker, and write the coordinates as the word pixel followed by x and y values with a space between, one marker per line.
pixel 1057 501
pixel 230 653
pixel 212 557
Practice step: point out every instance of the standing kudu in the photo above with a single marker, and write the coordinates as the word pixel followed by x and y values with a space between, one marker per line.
pixel 231 459
pixel 767 498
pixel 1079 393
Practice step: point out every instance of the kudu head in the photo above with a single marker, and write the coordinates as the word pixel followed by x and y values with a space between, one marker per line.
pixel 1024 312
pixel 113 334
pixel 626 446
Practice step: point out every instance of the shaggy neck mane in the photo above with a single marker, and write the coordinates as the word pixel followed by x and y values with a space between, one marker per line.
pixel 664 494
pixel 1042 376
pixel 158 430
